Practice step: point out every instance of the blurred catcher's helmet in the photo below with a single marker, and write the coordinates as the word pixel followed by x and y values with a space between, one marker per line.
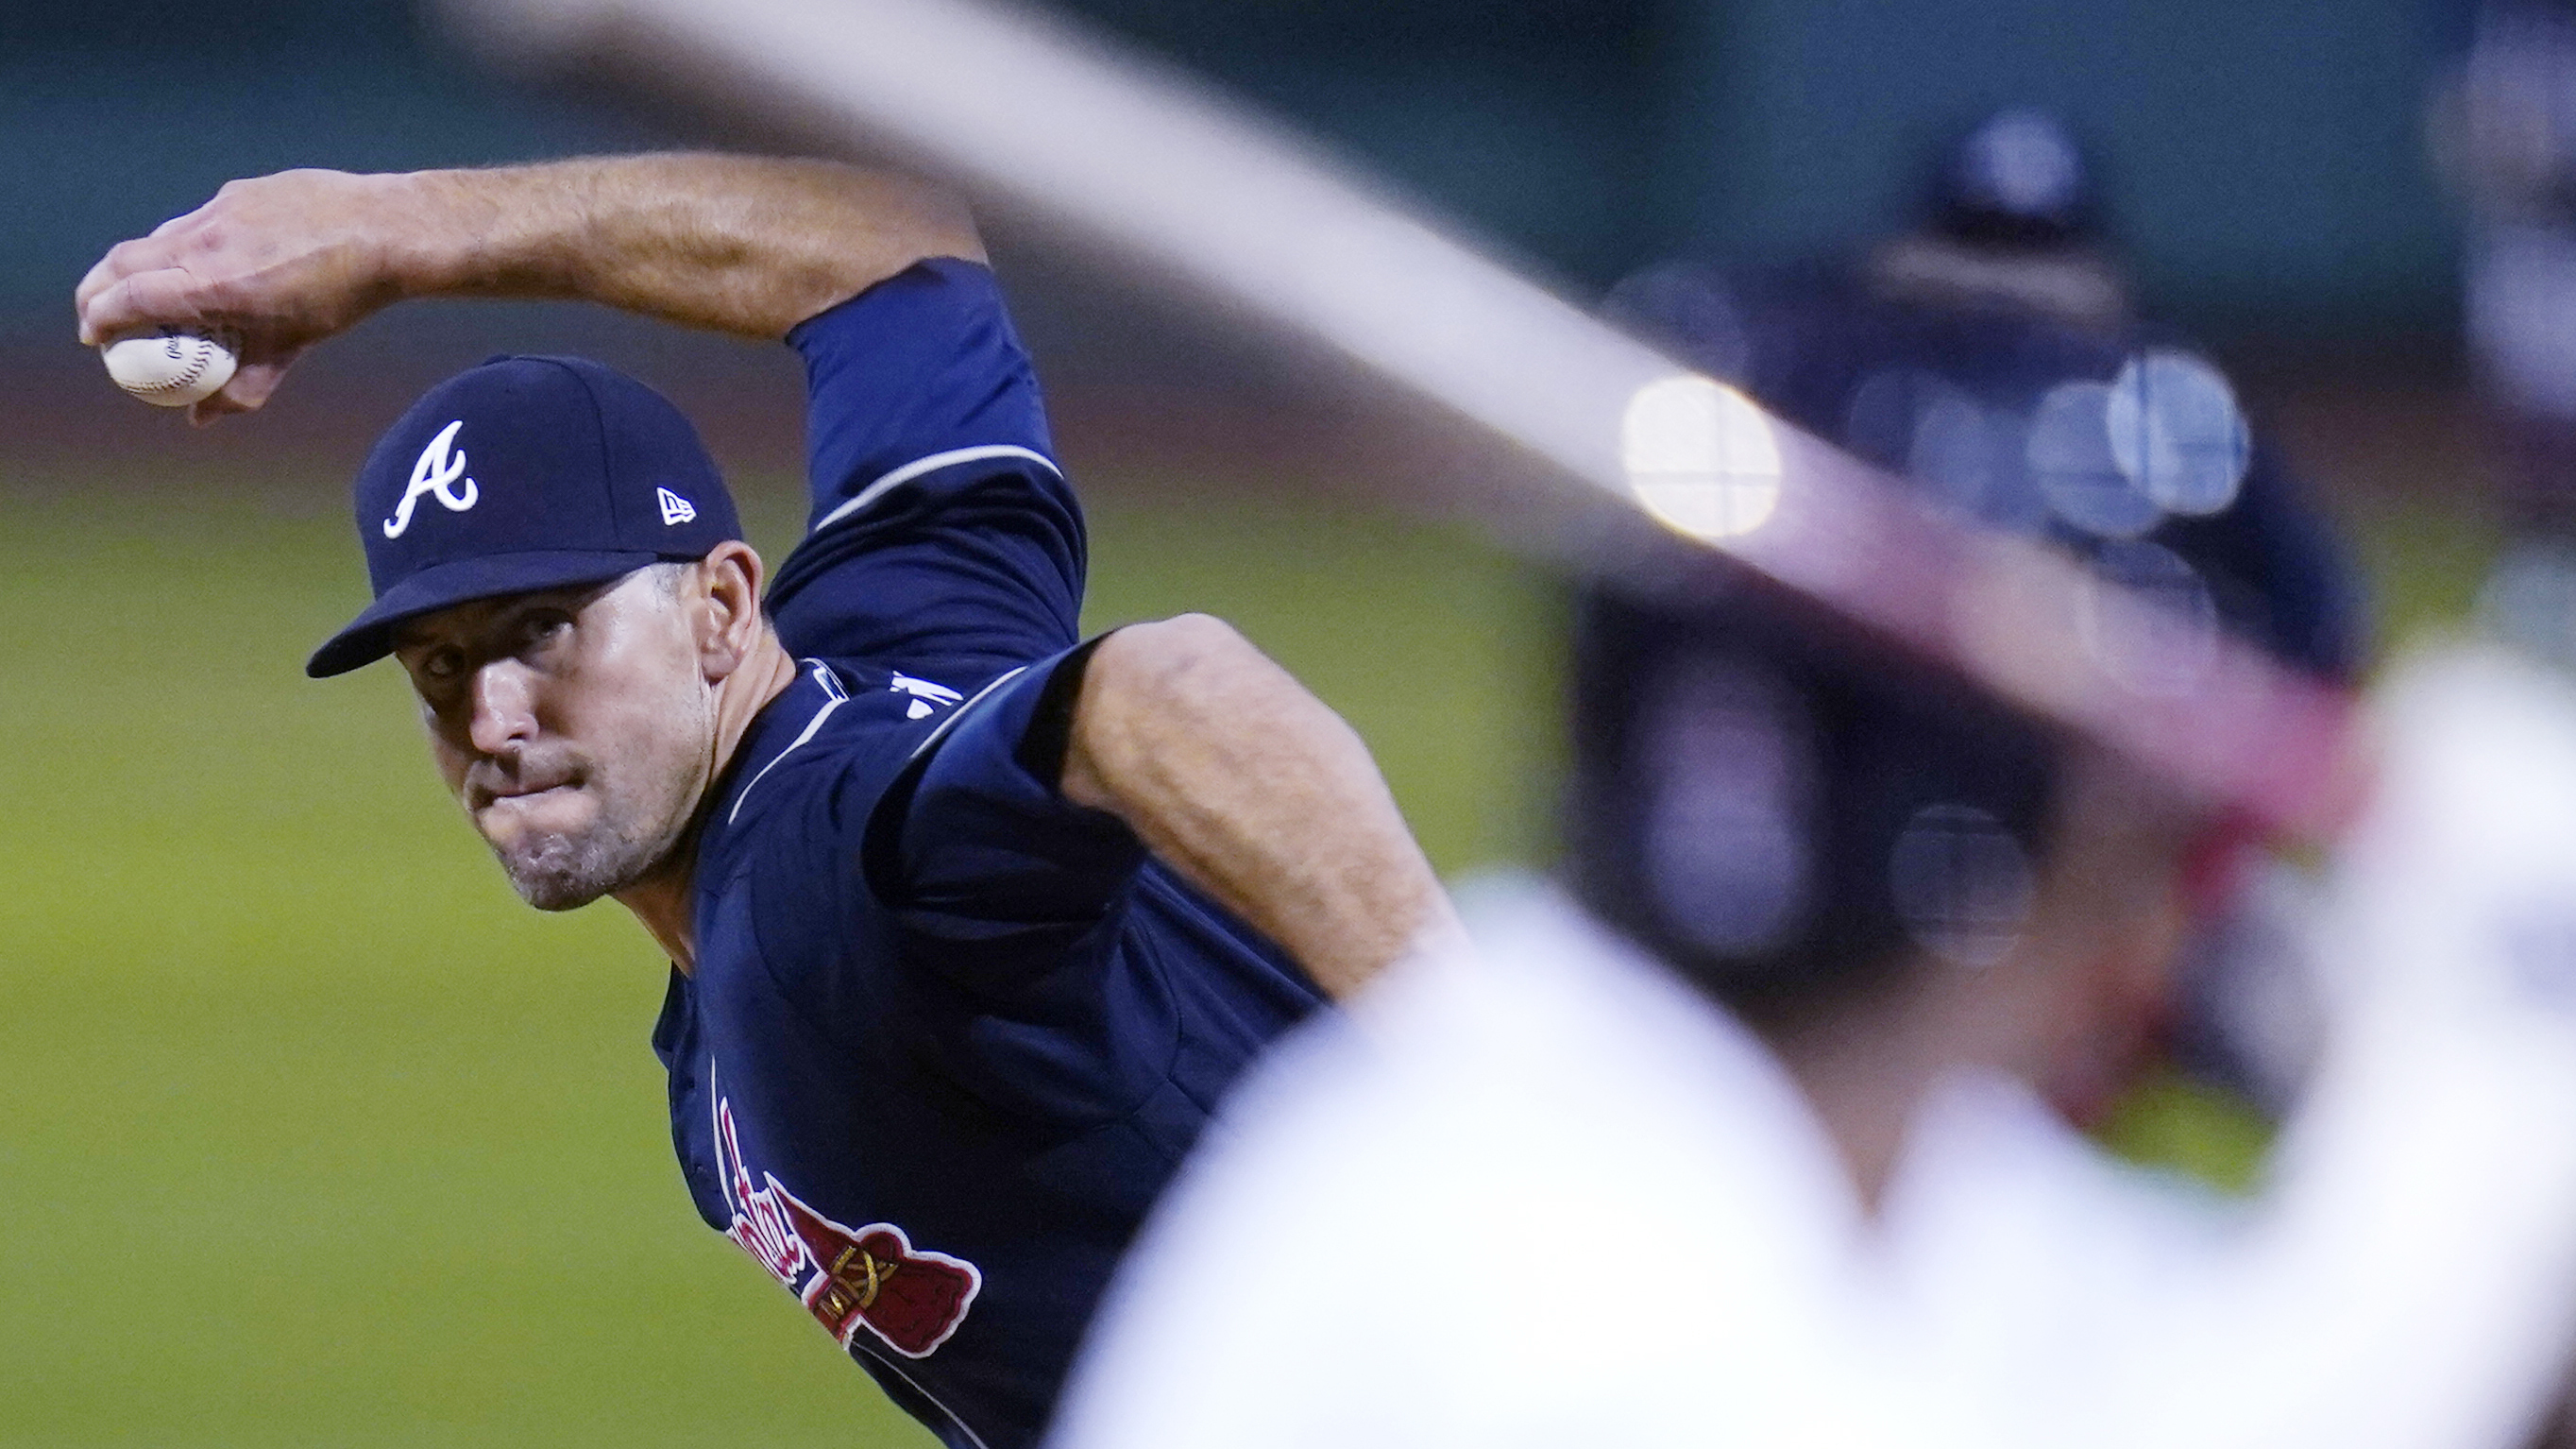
pixel 1783 807
pixel 2016 177
pixel 2013 224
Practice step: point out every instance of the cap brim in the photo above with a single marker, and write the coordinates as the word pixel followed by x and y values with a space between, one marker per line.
pixel 369 637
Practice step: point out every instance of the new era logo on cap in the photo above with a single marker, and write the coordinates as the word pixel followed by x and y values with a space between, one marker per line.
pixel 579 474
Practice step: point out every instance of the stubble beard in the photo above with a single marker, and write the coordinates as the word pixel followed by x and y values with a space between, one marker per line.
pixel 632 838
pixel 553 871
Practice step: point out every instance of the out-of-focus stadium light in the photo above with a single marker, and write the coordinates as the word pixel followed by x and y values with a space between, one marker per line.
pixel 1701 457
pixel 2175 429
pixel 1206 200
pixel 2071 460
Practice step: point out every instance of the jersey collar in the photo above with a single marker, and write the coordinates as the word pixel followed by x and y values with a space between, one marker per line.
pixel 784 725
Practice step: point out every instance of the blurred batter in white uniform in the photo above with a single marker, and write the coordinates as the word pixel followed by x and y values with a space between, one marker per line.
pixel 1755 1132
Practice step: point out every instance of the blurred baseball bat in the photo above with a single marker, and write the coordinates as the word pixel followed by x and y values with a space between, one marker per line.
pixel 1205 198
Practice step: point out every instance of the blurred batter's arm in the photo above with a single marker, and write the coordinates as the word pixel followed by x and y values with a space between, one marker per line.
pixel 1253 788
pixel 741 244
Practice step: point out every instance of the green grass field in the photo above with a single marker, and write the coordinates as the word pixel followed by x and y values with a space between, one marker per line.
pixel 316 1136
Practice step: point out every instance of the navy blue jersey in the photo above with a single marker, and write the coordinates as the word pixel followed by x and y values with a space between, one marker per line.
pixel 948 1034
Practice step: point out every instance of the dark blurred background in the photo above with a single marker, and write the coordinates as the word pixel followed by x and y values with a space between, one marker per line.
pixel 2264 158
pixel 315 1136
pixel 2263 168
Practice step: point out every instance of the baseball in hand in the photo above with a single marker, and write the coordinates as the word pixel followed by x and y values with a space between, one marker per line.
pixel 170 368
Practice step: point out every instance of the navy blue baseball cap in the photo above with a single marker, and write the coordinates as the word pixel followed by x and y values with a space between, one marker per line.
pixel 525 473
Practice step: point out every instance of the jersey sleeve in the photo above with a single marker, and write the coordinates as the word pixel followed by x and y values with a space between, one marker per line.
pixel 942 535
pixel 975 846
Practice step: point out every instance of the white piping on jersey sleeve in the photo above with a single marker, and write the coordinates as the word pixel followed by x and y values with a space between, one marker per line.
pixel 931 741
pixel 932 464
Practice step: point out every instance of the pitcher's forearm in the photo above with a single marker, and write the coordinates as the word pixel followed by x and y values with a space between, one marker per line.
pixel 749 245
pixel 1238 777
pixel 743 244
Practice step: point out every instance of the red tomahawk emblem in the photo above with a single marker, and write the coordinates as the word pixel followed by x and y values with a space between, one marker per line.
pixel 912 1300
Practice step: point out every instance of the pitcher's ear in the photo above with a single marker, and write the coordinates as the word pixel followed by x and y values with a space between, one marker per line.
pixel 729 580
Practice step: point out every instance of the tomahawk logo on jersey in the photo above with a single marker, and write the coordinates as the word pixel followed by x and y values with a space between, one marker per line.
pixel 849 1278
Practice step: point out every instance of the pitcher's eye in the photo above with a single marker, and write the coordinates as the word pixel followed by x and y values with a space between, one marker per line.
pixel 443 663
pixel 539 627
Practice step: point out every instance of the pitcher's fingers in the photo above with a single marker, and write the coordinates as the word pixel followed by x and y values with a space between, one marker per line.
pixel 248 392
pixel 255 381
pixel 183 218
pixel 203 412
pixel 168 297
pixel 125 259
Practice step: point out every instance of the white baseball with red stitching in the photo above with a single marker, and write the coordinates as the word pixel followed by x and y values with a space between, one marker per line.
pixel 171 368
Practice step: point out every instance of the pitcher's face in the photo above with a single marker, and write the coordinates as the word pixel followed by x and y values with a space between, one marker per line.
pixel 574 726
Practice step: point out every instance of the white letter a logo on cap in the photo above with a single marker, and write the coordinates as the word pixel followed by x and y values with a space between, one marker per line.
pixel 435 474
